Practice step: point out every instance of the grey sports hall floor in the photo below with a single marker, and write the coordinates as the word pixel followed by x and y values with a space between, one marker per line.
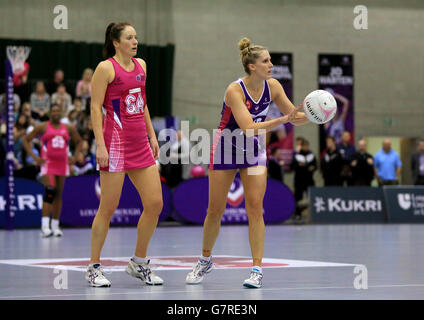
pixel 306 262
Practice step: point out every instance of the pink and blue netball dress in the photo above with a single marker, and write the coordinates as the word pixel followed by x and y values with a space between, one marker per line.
pixel 124 127
pixel 232 149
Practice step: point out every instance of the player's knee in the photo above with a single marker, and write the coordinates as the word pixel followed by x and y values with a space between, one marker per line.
pixel 154 206
pixel 254 202
pixel 215 212
pixel 109 208
pixel 49 194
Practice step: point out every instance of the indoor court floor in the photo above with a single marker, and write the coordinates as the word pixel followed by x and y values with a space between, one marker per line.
pixel 301 262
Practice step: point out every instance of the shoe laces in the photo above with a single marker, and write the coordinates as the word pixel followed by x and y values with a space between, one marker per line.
pixel 144 269
pixel 200 268
pixel 98 272
pixel 256 275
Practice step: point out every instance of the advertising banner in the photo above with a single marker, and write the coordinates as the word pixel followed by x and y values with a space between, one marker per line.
pixel 405 204
pixel 81 198
pixel 347 205
pixel 283 72
pixel 335 75
pixel 27 205
pixel 190 201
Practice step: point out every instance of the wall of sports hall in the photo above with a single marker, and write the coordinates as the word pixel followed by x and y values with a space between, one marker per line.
pixel 388 56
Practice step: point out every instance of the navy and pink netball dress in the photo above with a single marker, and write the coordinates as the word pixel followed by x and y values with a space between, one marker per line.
pixel 232 149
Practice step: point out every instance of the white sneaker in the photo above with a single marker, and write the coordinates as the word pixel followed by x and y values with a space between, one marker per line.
pixel 255 280
pixel 143 272
pixel 46 232
pixel 95 276
pixel 199 270
pixel 57 232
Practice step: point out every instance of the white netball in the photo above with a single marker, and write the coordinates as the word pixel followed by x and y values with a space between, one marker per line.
pixel 320 106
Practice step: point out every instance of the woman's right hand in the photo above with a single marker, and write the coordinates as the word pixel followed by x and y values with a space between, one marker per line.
pixel 102 157
pixel 39 161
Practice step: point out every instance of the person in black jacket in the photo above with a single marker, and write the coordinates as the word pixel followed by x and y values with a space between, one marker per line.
pixel 417 164
pixel 275 165
pixel 362 165
pixel 346 150
pixel 331 164
pixel 304 165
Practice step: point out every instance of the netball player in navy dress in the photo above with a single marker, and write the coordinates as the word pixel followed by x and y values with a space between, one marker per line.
pixel 237 146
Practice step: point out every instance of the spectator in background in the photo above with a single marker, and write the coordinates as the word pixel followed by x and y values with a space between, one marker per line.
pixel 304 165
pixel 84 161
pixel 40 102
pixel 59 78
pixel 19 130
pixel 64 97
pixel 83 88
pixel 16 103
pixel 26 110
pixel 346 150
pixel 71 118
pixel 298 144
pixel 387 165
pixel 417 164
pixel 77 105
pixel 362 165
pixel 331 164
pixel 275 166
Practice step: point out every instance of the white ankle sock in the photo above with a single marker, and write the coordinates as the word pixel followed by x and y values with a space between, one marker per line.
pixel 257 268
pixel 45 222
pixel 55 224
pixel 139 260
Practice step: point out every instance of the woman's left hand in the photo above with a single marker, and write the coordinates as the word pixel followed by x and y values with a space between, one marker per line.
pixel 155 147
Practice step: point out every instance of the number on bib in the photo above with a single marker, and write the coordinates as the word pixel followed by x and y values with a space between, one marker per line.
pixel 58 142
pixel 134 105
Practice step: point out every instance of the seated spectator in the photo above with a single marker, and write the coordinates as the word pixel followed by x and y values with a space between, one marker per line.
pixel 275 165
pixel 304 165
pixel 26 110
pixel 71 118
pixel 58 78
pixel 387 165
pixel 417 164
pixel 331 164
pixel 83 88
pixel 77 105
pixel 346 150
pixel 16 103
pixel 84 161
pixel 40 102
pixel 19 130
pixel 62 97
pixel 362 165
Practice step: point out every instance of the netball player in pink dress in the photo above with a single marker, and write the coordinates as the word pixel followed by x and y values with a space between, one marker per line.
pixel 244 111
pixel 54 165
pixel 126 144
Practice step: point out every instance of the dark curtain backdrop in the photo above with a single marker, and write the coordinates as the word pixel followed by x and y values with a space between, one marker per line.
pixel 74 57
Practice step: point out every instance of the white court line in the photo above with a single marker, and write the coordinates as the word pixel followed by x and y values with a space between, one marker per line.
pixel 201 291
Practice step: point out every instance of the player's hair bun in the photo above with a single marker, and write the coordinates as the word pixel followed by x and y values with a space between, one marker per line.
pixel 249 53
pixel 244 43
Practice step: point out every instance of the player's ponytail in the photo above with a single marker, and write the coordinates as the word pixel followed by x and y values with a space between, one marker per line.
pixel 249 53
pixel 113 32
